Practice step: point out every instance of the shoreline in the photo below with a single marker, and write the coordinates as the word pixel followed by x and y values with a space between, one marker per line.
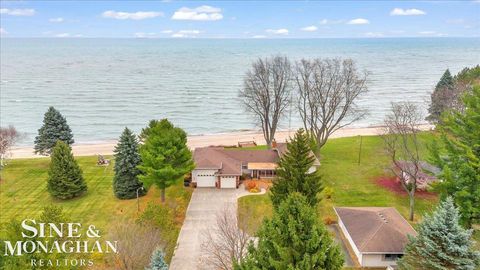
pixel 194 141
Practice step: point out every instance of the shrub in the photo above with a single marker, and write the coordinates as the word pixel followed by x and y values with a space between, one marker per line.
pixel 328 193
pixel 254 190
pixel 251 185
pixel 329 220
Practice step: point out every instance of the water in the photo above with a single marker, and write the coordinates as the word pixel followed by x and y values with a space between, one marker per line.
pixel 103 85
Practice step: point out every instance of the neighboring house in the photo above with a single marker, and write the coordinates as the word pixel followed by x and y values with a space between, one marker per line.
pixel 377 235
pixel 426 174
pixel 222 167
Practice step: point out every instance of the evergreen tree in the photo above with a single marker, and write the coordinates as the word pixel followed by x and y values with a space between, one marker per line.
pixel 157 261
pixel 460 159
pixel 293 173
pixel 441 243
pixel 165 156
pixel 127 158
pixel 442 98
pixel 293 239
pixel 65 178
pixel 55 128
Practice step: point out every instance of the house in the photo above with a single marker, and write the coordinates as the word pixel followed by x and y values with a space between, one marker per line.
pixel 222 167
pixel 377 235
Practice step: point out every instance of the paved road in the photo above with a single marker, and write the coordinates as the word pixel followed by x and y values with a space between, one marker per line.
pixel 201 214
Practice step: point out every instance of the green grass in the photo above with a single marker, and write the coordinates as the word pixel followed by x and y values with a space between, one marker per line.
pixel 23 194
pixel 352 184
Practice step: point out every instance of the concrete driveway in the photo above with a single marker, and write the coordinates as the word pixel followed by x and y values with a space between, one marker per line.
pixel 201 214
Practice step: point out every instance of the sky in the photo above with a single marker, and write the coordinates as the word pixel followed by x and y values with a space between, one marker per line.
pixel 236 19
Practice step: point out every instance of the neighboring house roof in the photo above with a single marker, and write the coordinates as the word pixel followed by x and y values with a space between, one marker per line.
pixel 230 161
pixel 282 149
pixel 376 229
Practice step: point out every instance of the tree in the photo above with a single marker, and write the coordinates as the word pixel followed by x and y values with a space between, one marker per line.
pixel 55 128
pixel 267 93
pixel 8 137
pixel 146 131
pixel 132 238
pixel 460 158
pixel 442 98
pixel 157 261
pixel 293 239
pixel 401 144
pixel 441 243
pixel 328 90
pixel 293 172
pixel 65 180
pixel 165 156
pixel 226 244
pixel 127 158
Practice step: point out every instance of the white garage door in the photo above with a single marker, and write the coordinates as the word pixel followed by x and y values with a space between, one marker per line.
pixel 205 181
pixel 229 182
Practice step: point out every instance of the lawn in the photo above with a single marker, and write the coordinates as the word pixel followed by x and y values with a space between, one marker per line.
pixel 353 184
pixel 23 194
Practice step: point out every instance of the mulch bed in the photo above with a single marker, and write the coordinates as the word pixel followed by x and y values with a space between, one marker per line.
pixel 391 184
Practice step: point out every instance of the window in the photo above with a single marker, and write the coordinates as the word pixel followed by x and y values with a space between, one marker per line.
pixel 392 257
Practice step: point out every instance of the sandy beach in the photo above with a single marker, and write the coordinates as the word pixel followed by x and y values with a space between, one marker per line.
pixel 106 148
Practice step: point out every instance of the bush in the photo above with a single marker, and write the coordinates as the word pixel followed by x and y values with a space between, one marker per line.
pixel 254 190
pixel 328 193
pixel 251 185
pixel 329 220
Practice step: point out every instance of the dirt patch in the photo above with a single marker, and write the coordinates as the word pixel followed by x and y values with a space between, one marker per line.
pixel 391 184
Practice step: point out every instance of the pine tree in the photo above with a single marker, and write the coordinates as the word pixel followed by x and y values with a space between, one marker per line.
pixel 441 243
pixel 460 158
pixel 127 158
pixel 157 261
pixel 293 172
pixel 442 98
pixel 65 178
pixel 165 156
pixel 293 239
pixel 55 128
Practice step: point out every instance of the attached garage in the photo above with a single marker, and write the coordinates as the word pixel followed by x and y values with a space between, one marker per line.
pixel 228 182
pixel 204 178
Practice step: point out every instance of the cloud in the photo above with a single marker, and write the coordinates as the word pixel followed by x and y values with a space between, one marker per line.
pixel 139 15
pixel 144 35
pixel 311 28
pixel 3 31
pixel 62 35
pixel 167 31
pixel 186 34
pixel 432 33
pixel 456 21
pixel 374 34
pixel 406 12
pixel 325 22
pixel 281 31
pixel 18 12
pixel 56 20
pixel 201 13
pixel 259 36
pixel 358 21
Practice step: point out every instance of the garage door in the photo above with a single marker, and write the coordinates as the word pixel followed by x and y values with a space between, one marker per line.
pixel 229 182
pixel 205 181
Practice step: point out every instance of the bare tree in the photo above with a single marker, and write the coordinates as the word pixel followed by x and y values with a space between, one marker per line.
pixel 136 243
pixel 8 137
pixel 267 93
pixel 327 91
pixel 225 244
pixel 401 144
